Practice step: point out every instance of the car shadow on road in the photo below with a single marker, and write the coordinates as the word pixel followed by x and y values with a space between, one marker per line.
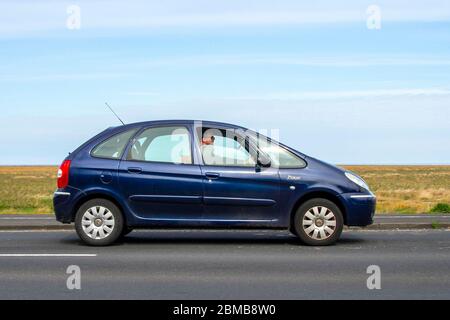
pixel 215 238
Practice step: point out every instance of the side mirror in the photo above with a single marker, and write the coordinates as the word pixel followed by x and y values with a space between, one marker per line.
pixel 263 160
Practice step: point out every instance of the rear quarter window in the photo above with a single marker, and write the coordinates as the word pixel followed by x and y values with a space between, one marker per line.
pixel 113 147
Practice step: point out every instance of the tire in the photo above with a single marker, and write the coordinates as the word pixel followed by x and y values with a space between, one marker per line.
pixel 318 222
pixel 99 222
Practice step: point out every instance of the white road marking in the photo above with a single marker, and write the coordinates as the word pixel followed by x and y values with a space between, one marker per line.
pixel 26 218
pixel 36 230
pixel 48 254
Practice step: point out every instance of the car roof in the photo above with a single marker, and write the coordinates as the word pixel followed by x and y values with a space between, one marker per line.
pixel 180 122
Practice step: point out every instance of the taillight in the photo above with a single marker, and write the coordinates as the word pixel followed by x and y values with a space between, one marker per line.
pixel 63 174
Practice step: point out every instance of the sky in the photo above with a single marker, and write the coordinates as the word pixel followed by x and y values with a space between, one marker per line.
pixel 349 82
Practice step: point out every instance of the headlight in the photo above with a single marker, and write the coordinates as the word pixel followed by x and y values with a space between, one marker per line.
pixel 360 182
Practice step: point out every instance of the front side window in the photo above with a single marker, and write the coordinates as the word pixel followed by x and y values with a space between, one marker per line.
pixel 162 144
pixel 113 147
pixel 279 156
pixel 225 148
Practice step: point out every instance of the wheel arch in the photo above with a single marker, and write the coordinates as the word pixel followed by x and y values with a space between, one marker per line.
pixel 97 195
pixel 318 194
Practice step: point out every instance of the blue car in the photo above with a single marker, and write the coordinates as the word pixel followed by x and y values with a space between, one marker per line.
pixel 202 174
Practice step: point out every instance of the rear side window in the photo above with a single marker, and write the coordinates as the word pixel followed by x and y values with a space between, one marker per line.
pixel 114 146
pixel 162 144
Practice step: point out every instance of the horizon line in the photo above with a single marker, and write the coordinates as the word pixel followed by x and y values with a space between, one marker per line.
pixel 337 164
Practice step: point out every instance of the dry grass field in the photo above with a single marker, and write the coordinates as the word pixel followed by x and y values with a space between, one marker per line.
pixel 27 189
pixel 400 189
pixel 407 189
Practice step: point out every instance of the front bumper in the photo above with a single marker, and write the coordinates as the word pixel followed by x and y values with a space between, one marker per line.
pixel 359 207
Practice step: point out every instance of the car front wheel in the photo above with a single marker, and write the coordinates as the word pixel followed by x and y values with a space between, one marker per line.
pixel 318 222
pixel 99 222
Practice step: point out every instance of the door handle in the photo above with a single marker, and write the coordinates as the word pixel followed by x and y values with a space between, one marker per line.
pixel 134 170
pixel 212 175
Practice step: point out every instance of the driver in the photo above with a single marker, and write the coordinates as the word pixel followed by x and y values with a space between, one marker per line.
pixel 207 148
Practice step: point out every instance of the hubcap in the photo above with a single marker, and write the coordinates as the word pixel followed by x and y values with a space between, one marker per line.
pixel 98 222
pixel 319 223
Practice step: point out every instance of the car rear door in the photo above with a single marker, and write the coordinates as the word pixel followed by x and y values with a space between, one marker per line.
pixel 158 178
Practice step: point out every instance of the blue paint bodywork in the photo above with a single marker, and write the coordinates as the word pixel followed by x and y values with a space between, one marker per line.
pixel 195 195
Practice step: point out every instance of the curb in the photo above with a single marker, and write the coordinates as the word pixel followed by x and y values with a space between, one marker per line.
pixel 37 228
pixel 402 226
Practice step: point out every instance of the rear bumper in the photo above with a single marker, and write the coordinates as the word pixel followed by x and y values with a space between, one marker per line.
pixel 359 207
pixel 63 203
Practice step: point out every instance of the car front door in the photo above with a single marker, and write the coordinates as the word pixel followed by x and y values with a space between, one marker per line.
pixel 236 189
pixel 158 177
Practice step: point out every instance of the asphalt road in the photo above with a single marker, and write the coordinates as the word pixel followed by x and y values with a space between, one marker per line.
pixel 226 265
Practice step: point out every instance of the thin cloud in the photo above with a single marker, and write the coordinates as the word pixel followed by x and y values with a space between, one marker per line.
pixel 141 93
pixel 60 76
pixel 39 18
pixel 295 60
pixel 325 95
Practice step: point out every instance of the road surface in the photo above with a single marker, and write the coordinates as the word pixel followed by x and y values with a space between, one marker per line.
pixel 226 265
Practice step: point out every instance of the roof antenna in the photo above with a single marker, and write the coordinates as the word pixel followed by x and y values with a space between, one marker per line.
pixel 114 113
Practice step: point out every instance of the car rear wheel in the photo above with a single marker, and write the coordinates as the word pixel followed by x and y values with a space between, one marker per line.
pixel 99 222
pixel 318 222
